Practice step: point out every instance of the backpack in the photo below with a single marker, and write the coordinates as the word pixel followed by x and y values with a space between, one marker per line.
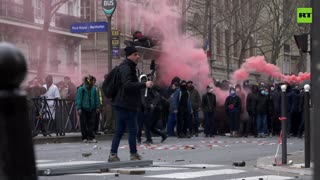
pixel 111 83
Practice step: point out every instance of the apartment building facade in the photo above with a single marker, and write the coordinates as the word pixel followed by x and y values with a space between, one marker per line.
pixel 21 23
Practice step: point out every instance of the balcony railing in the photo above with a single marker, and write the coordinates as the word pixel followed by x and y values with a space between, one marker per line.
pixel 16 11
pixel 64 21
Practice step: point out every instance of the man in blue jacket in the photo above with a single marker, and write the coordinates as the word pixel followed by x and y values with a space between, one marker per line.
pixel 127 103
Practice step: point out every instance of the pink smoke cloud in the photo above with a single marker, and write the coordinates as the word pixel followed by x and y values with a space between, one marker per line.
pixel 259 65
pixel 179 56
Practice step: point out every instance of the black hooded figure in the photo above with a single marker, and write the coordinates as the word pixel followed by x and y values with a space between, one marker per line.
pixel 182 107
pixel 233 109
pixel 251 109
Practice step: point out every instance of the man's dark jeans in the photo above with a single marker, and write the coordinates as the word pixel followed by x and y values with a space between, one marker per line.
pixel 125 118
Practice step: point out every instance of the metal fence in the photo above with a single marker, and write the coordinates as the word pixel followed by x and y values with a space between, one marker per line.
pixel 50 116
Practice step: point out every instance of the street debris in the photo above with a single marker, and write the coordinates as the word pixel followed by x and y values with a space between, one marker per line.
pixel 86 154
pixel 239 164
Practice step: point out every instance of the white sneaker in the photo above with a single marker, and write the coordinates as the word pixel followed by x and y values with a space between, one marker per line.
pixel 93 141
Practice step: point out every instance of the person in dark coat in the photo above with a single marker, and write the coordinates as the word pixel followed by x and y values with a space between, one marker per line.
pixel 233 107
pixel 196 103
pixel 251 109
pixel 243 120
pixel 183 108
pixel 263 105
pixel 127 104
pixel 209 109
pixel 275 95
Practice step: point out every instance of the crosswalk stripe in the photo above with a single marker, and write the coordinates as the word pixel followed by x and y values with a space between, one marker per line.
pixel 44 165
pixel 43 161
pixel 94 174
pixel 271 177
pixel 152 169
pixel 193 165
pixel 188 175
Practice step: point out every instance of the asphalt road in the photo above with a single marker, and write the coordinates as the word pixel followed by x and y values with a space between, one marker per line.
pixel 194 158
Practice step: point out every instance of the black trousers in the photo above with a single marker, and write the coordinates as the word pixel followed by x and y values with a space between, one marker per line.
pixel 182 122
pixel 87 119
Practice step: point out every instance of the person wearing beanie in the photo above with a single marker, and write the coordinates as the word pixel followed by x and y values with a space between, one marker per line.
pixel 126 104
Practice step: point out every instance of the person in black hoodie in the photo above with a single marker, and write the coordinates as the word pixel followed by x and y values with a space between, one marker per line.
pixel 183 108
pixel 127 104
pixel 233 107
pixel 251 108
pixel 209 109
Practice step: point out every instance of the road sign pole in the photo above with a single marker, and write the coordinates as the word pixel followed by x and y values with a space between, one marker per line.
pixel 284 123
pixel 109 44
pixel 108 7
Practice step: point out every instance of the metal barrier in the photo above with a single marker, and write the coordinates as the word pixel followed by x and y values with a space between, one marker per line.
pixel 50 117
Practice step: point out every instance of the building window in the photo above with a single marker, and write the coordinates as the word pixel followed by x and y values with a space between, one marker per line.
pixel 227 40
pixel 252 49
pixel 85 10
pixel 236 46
pixel 39 9
pixel 70 8
pixel 218 45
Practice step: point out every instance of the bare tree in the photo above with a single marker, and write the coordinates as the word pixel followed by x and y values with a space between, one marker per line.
pixel 50 8
pixel 241 24
pixel 280 30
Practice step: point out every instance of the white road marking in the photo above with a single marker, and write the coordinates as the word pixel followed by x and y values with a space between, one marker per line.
pixel 94 174
pixel 152 169
pixel 66 163
pixel 271 177
pixel 200 165
pixel 189 175
pixel 44 161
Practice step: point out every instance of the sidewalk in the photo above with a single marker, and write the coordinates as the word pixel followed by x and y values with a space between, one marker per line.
pixel 297 166
pixel 69 137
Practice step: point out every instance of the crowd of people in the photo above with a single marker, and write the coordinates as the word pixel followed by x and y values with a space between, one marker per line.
pixel 177 111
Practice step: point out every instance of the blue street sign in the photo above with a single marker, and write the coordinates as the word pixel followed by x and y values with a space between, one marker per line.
pixel 115 52
pixel 89 27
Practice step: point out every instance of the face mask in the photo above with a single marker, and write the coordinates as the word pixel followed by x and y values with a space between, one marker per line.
pixel 266 93
pixel 262 92
pixel 272 88
pixel 232 92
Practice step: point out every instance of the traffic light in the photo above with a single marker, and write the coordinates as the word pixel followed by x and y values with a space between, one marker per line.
pixel 302 42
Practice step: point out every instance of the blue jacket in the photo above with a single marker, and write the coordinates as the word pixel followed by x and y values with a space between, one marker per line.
pixel 176 99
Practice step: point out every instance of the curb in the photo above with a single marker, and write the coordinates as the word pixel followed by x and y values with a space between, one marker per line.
pixel 267 164
pixel 68 139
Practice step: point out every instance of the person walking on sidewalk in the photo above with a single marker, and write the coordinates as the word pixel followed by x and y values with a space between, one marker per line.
pixel 127 103
pixel 87 104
